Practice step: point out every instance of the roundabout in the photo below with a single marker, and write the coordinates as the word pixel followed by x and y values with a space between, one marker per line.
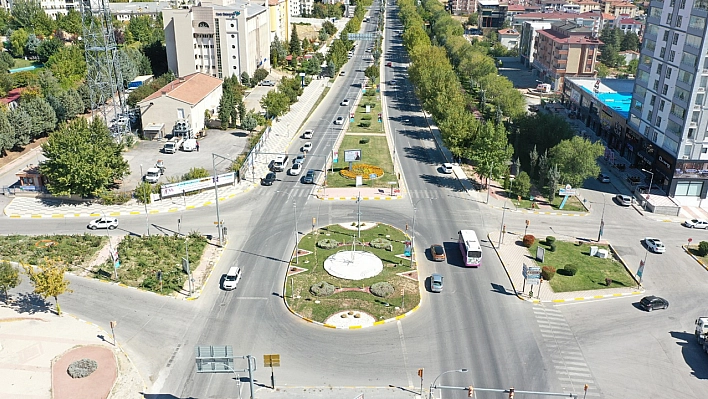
pixel 347 280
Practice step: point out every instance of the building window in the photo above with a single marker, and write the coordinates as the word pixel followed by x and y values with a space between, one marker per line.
pixel 695 115
pixel 699 99
pixel 691 132
pixel 658 68
pixel 232 25
pixel 668 70
pixel 661 105
pixel 701 4
pixel 233 46
pixel 653 100
pixel 696 22
pixel 203 25
pixel 679 21
pixel 685 76
pixel 656 85
pixel 665 89
pixel 666 35
pixel 180 113
pixel 676 37
pixel 662 52
pixel 689 59
pixel 234 67
pixel 233 36
pixel 682 4
pixel 646 131
pixel 669 18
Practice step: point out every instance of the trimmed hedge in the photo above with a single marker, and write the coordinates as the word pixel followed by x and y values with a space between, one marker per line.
pixel 550 240
pixel 380 243
pixel 528 240
pixel 322 289
pixel 382 289
pixel 703 248
pixel 569 270
pixel 327 243
pixel 547 272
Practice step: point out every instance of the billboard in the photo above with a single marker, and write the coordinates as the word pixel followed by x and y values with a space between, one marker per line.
pixel 167 190
pixel 352 155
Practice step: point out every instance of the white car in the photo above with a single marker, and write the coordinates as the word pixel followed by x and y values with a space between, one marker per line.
pixel 307 147
pixel 308 134
pixel 344 102
pixel 447 168
pixel 299 159
pixel 655 245
pixel 232 277
pixel 339 121
pixel 295 169
pixel 696 224
pixel 103 223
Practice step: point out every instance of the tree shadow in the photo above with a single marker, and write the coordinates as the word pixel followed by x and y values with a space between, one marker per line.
pixel 422 154
pixel 30 303
pixel 444 182
pixel 692 353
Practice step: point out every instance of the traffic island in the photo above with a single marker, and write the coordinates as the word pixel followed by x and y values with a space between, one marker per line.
pixel 351 276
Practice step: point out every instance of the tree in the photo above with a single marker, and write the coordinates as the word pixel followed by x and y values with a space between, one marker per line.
pixel 542 169
pixel 22 124
pixel 18 41
pixel 32 44
pixel 245 79
pixel 143 191
pixel 249 122
pixel 277 51
pixel 322 35
pixel 48 47
pixel 275 103
pixel 68 65
pixel 630 41
pixel 372 72
pixel 44 119
pixel 7 133
pixel 522 185
pixel 142 29
pixel 542 131
pixel 241 110
pixel 632 66
pixel 490 150
pixel 553 178
pixel 295 49
pixel 82 159
pixel 576 159
pixel 48 280
pixel 71 22
pixel 259 75
pixel 329 27
pixel 9 277
pixel 533 158
pixel 226 104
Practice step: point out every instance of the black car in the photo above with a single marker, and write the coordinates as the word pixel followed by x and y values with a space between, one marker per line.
pixel 269 179
pixel 309 177
pixel 652 302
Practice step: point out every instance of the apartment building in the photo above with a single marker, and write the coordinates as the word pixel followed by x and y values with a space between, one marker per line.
pixel 618 7
pixel 667 130
pixel 566 49
pixel 300 8
pixel 217 40
pixel 126 11
pixel 627 25
pixel 491 13
pixel 279 19
pixel 462 7
pixel 54 7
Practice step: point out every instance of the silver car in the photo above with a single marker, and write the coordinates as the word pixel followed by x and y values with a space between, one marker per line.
pixel 436 282
pixel 624 200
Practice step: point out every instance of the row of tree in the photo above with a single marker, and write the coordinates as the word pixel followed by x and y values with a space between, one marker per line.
pixel 48 279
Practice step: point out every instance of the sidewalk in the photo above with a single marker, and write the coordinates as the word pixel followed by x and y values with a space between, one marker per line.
pixel 513 256
pixel 36 345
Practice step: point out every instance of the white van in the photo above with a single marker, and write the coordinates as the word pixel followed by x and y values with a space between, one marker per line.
pixel 232 278
pixel 279 163
pixel 447 168
pixel 189 145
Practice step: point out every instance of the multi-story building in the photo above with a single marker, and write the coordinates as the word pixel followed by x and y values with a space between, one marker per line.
pixel 529 24
pixel 618 7
pixel 300 8
pixel 217 40
pixel 667 130
pixel 627 25
pixel 587 5
pixel 491 13
pixel 509 38
pixel 54 7
pixel 566 49
pixel 279 19
pixel 462 7
pixel 126 11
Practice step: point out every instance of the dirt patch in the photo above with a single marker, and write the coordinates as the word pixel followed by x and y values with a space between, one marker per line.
pixel 12 155
pixel 307 32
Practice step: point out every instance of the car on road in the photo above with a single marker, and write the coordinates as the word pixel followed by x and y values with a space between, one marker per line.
pixel 268 179
pixel 152 175
pixel 339 120
pixel 267 83
pixel 295 169
pixel 392 82
pixel 308 134
pixel 103 223
pixel 436 282
pixel 307 146
pixel 603 178
pixel 350 54
pixel 655 245
pixel 299 159
pixel 388 64
pixel 437 252
pixel 652 302
pixel 342 73
pixel 446 168
pixel 696 224
pixel 624 200
pixel 309 177
pixel 344 102
pixel 232 277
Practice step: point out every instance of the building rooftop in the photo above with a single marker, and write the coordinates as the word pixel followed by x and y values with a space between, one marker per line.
pixel 509 32
pixel 541 16
pixel 630 21
pixel 12 95
pixel 517 7
pixel 613 93
pixel 138 7
pixel 190 89
pixel 488 2
pixel 565 39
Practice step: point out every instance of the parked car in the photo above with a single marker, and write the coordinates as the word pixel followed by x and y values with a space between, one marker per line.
pixel 342 73
pixel 307 147
pixel 103 223
pixel 232 277
pixel 344 102
pixel 436 282
pixel 295 169
pixel 388 64
pixel 268 179
pixel 437 252
pixel 152 175
pixel 446 168
pixel 696 224
pixel 603 178
pixel 308 134
pixel 392 82
pixel 655 245
pixel 267 83
pixel 624 200
pixel 339 120
pixel 652 302
pixel 299 159
pixel 309 177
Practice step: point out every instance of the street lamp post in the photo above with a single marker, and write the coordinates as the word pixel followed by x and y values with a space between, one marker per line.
pixel 651 181
pixel 491 167
pixel 297 255
pixel 501 228
pixel 602 218
pixel 433 386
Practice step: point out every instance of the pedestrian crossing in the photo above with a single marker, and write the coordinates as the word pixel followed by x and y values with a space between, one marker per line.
pixel 424 194
pixel 568 361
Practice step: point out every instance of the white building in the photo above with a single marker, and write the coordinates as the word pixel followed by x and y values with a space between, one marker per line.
pixel 299 8
pixel 509 38
pixel 218 40
pixel 668 123
pixel 184 98
pixel 54 7
pixel 126 11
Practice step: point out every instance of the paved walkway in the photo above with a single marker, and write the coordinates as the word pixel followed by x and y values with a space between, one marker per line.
pixel 36 345
pixel 513 257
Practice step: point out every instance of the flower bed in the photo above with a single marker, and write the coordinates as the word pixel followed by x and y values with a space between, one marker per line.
pixel 363 170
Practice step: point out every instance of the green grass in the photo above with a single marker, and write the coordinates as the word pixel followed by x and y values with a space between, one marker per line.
pixel 375 152
pixel 573 204
pixel 351 300
pixel 693 249
pixel 592 270
pixel 21 63
pixel 72 250
pixel 376 126
pixel 141 258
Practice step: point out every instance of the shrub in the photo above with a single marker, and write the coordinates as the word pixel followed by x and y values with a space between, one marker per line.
pixel 366 117
pixel 570 270
pixel 703 248
pixel 114 198
pixel 365 123
pixel 380 243
pixel 550 240
pixel 547 272
pixel 553 247
pixel 363 170
pixel 327 243
pixel 322 289
pixel 382 289
pixel 528 240
pixel 364 141
pixel 82 368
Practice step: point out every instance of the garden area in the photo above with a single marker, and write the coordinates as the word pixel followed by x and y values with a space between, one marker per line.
pixel 312 292
pixel 375 158
pixel 700 252
pixel 142 257
pixel 367 122
pixel 573 204
pixel 75 250
pixel 568 266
